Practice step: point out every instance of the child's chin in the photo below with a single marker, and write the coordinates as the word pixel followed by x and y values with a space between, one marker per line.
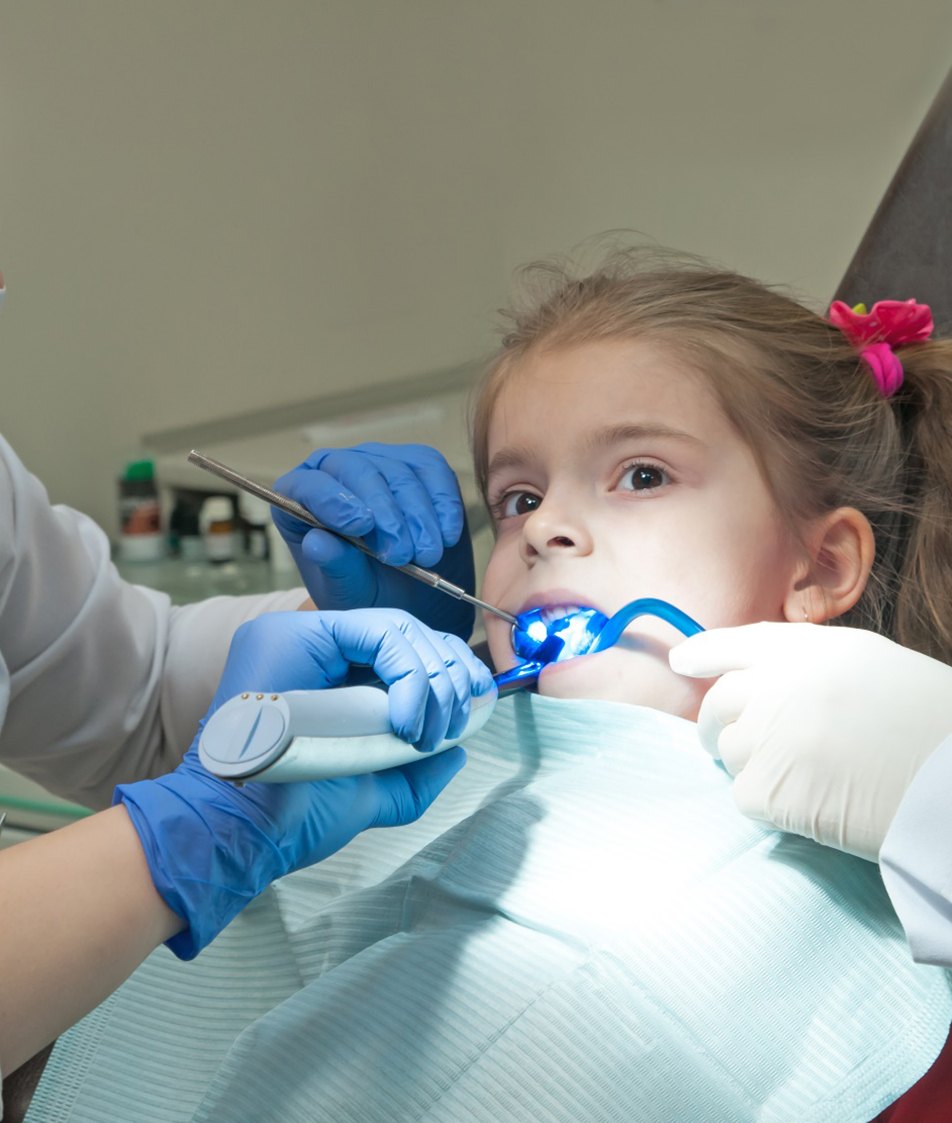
pixel 614 677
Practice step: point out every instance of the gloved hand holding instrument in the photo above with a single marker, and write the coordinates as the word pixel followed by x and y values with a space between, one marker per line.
pixel 212 846
pixel 404 503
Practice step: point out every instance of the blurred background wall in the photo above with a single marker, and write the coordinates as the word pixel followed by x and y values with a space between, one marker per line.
pixel 210 208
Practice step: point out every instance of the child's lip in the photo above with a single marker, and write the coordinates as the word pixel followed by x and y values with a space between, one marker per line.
pixel 558 598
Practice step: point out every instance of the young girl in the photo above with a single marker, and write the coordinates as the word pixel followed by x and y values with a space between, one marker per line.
pixel 755 462
pixel 583 927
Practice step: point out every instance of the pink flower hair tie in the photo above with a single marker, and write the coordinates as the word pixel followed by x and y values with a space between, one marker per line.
pixel 889 324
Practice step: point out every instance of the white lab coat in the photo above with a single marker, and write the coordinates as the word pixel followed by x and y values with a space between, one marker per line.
pixel 101 682
pixel 916 859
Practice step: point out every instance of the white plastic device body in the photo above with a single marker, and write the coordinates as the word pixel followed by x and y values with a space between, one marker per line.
pixel 314 735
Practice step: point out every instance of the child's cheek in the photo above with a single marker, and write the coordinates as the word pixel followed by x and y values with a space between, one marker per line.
pixel 499 639
pixel 639 678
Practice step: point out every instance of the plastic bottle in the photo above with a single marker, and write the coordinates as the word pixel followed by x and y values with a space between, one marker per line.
pixel 256 515
pixel 184 531
pixel 218 529
pixel 140 523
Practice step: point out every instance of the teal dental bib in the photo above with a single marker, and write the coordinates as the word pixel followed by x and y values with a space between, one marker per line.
pixel 582 928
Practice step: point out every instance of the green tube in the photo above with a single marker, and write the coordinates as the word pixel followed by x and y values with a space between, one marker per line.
pixel 38 807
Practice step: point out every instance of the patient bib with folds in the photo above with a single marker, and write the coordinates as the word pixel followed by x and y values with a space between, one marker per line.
pixel 582 928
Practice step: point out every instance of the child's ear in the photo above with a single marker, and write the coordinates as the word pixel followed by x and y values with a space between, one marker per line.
pixel 840 547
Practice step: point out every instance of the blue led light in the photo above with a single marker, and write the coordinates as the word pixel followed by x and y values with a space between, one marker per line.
pixel 579 632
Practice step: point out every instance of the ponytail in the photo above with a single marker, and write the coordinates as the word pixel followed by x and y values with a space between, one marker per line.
pixel 923 596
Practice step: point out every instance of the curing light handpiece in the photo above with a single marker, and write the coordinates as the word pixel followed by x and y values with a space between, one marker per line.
pixel 325 734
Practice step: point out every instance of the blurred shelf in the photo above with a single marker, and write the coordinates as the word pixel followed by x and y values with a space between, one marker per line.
pixel 189 581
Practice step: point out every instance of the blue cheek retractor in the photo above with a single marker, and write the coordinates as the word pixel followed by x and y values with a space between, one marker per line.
pixel 582 631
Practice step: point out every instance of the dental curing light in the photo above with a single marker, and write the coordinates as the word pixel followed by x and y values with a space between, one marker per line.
pixel 325 734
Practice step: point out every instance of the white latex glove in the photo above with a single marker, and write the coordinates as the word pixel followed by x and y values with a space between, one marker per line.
pixel 824 728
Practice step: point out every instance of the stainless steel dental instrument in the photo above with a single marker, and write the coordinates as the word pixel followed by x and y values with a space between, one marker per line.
pixel 276 499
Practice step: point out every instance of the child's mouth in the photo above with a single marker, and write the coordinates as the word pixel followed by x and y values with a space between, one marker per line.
pixel 555 632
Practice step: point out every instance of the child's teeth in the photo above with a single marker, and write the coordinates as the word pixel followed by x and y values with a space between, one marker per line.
pixel 557 612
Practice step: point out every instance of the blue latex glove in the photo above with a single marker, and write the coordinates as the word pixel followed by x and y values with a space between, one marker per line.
pixel 404 502
pixel 213 846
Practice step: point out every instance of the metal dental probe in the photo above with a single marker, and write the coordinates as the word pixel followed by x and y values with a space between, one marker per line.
pixel 276 499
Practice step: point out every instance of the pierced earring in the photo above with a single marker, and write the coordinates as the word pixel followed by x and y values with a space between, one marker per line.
pixel 806 615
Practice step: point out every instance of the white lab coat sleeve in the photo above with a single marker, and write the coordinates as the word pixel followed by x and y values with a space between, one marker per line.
pixel 101 682
pixel 916 860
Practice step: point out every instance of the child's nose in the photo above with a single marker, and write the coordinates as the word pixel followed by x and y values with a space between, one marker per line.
pixel 555 529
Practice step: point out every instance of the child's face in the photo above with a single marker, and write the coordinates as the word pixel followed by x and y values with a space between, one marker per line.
pixel 614 474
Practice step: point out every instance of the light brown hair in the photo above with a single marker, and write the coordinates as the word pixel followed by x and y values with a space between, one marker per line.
pixel 799 395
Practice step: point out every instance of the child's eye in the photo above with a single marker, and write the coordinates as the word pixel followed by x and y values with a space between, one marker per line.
pixel 516 503
pixel 642 477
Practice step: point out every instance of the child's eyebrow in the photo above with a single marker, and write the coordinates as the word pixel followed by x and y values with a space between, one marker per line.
pixel 509 458
pixel 517 456
pixel 637 431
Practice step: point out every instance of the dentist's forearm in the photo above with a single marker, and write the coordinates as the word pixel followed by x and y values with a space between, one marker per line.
pixel 79 914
